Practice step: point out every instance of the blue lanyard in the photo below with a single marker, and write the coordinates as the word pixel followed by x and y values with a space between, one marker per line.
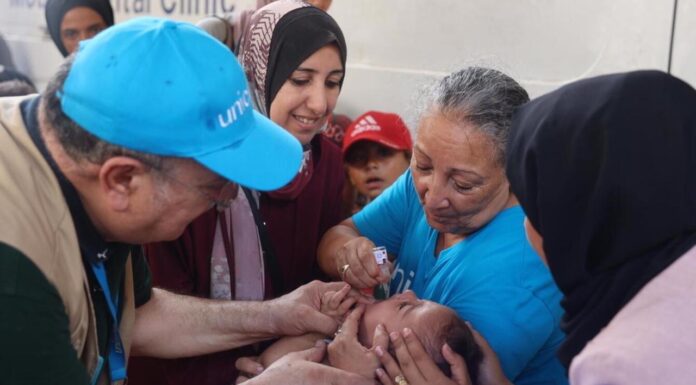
pixel 117 357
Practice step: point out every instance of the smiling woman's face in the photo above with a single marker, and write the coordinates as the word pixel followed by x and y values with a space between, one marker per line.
pixel 305 101
pixel 401 311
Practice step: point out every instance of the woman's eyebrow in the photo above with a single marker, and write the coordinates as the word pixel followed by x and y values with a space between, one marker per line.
pixel 310 70
pixel 313 71
pixel 417 149
pixel 460 171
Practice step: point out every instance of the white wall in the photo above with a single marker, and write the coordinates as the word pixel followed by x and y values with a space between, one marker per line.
pixel 395 46
pixel 24 29
pixel 684 58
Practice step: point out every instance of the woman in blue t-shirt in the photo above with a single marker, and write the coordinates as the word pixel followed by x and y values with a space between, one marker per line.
pixel 455 230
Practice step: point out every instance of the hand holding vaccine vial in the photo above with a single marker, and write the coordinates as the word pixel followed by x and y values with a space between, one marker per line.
pixel 382 290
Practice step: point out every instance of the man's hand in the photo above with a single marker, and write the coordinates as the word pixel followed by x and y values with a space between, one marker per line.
pixel 172 326
pixel 298 312
pixel 302 368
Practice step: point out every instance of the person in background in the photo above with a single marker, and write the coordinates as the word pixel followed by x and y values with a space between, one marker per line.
pixel 296 80
pixel 335 130
pixel 376 151
pixel 248 253
pixel 614 215
pixel 71 21
pixel 324 5
pixel 91 169
pixel 228 28
pixel 14 83
pixel 456 230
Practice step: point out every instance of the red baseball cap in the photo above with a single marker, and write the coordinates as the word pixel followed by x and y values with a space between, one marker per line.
pixel 385 128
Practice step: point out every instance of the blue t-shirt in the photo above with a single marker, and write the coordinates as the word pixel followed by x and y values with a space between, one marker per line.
pixel 493 279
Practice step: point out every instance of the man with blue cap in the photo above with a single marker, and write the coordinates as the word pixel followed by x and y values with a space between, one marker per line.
pixel 146 127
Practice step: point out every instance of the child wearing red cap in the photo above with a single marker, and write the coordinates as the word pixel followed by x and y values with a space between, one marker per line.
pixel 376 151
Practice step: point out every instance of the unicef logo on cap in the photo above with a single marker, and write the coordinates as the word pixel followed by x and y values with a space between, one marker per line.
pixel 236 110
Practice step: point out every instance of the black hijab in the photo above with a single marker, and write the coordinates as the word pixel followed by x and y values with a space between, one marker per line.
pixel 605 170
pixel 298 35
pixel 56 10
pixel 279 37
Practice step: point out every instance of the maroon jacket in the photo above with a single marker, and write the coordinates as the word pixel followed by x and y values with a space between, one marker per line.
pixel 294 228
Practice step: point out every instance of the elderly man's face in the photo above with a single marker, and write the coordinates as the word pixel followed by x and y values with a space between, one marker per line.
pixel 165 202
pixel 460 182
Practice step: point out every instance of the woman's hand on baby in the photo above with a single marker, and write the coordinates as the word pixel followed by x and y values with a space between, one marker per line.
pixel 356 264
pixel 347 353
pixel 414 366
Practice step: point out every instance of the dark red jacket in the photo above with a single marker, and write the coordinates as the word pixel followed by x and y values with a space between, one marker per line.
pixel 296 227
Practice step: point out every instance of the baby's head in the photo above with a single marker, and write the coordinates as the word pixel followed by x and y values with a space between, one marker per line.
pixel 434 324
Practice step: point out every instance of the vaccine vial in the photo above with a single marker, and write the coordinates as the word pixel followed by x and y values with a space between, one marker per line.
pixel 382 290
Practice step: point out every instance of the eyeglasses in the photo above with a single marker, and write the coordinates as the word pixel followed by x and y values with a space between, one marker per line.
pixel 222 201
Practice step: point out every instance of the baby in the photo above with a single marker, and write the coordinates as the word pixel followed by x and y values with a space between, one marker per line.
pixel 432 323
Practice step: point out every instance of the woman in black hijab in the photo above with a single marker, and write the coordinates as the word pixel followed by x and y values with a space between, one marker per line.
pixel 71 21
pixel 605 170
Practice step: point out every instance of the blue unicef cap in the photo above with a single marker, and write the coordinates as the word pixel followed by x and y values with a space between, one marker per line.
pixel 168 88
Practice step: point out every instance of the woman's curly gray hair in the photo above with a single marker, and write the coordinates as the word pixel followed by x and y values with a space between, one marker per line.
pixel 482 96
